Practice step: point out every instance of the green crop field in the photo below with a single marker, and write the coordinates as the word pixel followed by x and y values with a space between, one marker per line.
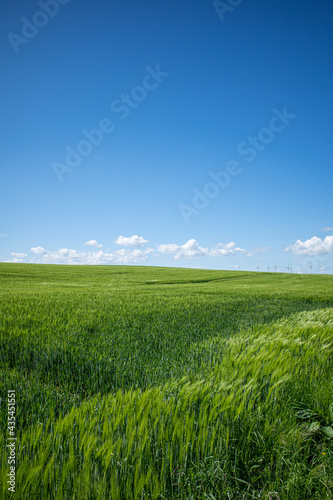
pixel 162 383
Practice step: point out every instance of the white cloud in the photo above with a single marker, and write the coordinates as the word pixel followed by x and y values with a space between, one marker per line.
pixel 132 241
pixel 225 250
pixel 168 248
pixel 93 243
pixel 312 246
pixel 70 256
pixel 187 251
pixel 327 228
pixel 192 249
pixel 38 250
pixel 125 256
pixel 19 255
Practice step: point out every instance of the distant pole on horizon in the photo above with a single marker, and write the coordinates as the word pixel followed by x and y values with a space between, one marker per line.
pixel 268 268
pixel 275 268
pixel 258 268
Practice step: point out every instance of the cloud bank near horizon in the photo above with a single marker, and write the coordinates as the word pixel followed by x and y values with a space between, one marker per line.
pixel 135 251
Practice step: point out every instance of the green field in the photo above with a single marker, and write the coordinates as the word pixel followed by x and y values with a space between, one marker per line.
pixel 160 383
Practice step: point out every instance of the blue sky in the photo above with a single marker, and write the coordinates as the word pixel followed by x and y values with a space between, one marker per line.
pixel 175 133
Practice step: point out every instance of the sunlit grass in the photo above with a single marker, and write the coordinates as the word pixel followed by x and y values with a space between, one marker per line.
pixel 163 383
